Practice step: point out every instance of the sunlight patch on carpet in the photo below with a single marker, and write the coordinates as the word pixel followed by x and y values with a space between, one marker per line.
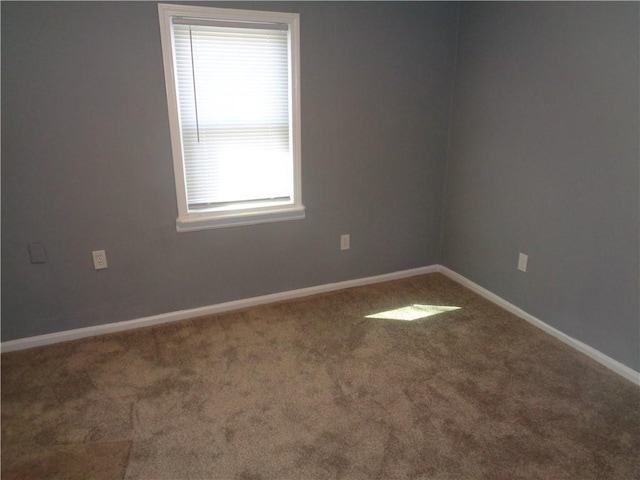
pixel 413 312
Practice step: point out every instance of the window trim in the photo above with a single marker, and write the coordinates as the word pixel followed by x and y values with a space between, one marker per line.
pixel 190 221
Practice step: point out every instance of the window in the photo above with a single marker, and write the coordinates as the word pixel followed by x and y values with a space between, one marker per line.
pixel 232 79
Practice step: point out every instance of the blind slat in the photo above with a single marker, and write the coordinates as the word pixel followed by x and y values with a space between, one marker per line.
pixel 228 23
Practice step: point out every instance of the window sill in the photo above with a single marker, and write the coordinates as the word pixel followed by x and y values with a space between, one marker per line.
pixel 204 221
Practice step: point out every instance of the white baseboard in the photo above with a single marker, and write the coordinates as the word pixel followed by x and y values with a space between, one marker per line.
pixel 57 337
pixel 40 340
pixel 596 355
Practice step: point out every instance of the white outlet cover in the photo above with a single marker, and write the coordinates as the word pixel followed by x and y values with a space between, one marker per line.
pixel 522 262
pixel 99 259
pixel 345 241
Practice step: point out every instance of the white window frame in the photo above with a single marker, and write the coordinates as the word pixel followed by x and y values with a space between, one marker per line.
pixel 243 215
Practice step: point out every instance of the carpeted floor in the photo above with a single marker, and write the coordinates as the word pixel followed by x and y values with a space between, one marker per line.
pixel 313 389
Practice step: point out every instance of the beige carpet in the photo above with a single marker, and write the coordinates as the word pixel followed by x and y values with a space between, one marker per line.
pixel 313 389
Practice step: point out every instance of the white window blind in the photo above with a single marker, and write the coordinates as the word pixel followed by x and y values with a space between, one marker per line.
pixel 233 89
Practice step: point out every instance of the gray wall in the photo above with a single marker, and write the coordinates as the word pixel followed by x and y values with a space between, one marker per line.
pixel 86 162
pixel 544 160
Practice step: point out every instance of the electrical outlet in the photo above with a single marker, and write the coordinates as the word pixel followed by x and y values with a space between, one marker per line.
pixel 99 259
pixel 345 242
pixel 522 262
